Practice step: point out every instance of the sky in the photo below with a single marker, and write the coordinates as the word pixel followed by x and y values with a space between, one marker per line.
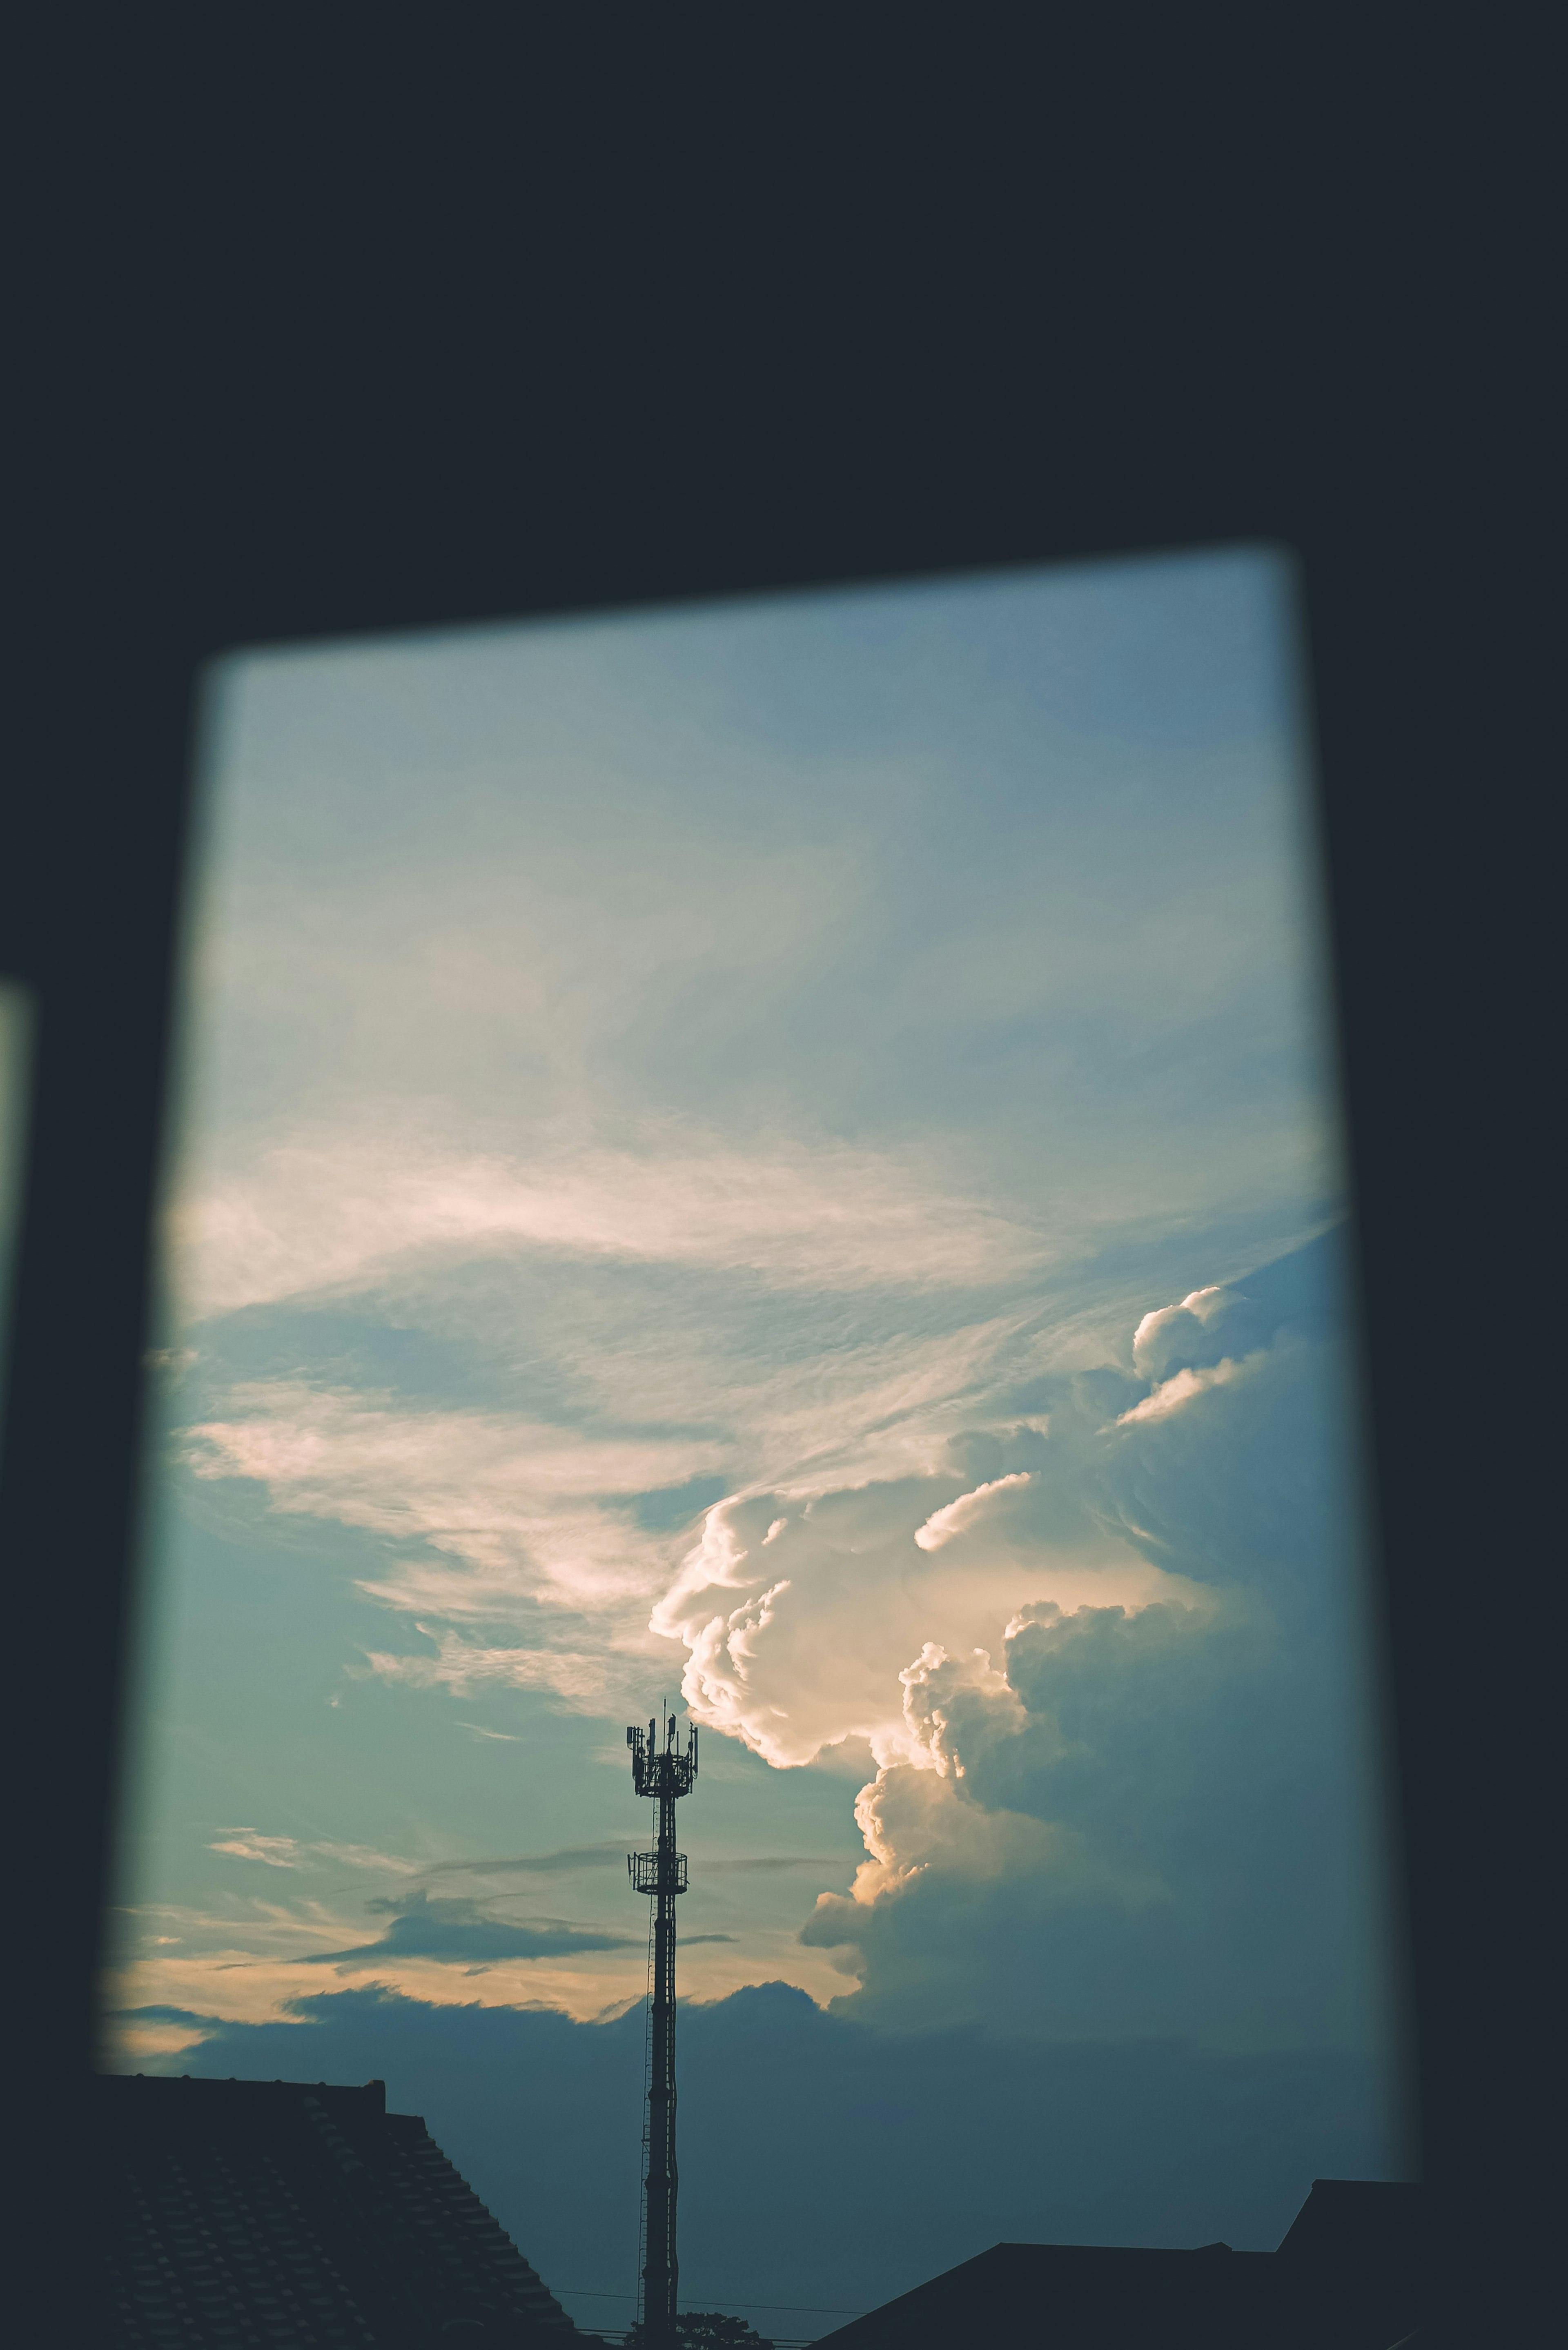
pixel 780 1159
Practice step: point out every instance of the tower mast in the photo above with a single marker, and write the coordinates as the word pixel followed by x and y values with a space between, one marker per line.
pixel 665 1774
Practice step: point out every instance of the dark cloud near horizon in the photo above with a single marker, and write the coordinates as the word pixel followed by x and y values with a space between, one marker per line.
pixel 897 2154
pixel 539 1864
pixel 459 1931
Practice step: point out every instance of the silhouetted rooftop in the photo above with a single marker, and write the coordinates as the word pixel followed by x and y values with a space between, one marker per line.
pixel 1348 2271
pixel 283 2213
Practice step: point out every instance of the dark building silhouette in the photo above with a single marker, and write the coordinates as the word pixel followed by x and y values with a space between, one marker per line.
pixel 280 2213
pixel 1347 2276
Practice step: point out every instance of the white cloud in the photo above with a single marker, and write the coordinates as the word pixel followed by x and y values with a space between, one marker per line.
pixel 803 1649
pixel 1172 1394
pixel 333 1451
pixel 589 1680
pixel 957 1517
pixel 1079 1641
pixel 490 1517
pixel 366 1856
pixel 339 1211
pixel 1146 1810
pixel 523 1509
pixel 288 1852
pixel 1162 1335
pixel 728 1109
pixel 244 1844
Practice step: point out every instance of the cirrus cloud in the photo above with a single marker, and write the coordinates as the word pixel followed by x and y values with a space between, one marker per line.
pixel 339 1211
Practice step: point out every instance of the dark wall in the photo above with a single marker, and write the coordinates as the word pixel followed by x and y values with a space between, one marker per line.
pixel 341 330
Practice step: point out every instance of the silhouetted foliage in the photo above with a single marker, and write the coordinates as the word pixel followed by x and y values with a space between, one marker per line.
pixel 699 2329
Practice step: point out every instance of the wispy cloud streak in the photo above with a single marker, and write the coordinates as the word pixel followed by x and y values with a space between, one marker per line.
pixel 338 1213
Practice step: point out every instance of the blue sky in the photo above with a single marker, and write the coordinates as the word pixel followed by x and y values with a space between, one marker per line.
pixel 780 1155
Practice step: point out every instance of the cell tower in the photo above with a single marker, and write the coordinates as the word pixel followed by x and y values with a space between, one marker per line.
pixel 664 1775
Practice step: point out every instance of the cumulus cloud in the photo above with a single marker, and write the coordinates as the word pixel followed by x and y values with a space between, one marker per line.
pixel 1185 1384
pixel 800 1612
pixel 1177 1335
pixel 956 1517
pixel 1109 1685
pixel 525 1546
pixel 1091 1622
pixel 717 1213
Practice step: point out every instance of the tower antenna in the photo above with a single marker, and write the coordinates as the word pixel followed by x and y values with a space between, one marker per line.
pixel 663 1773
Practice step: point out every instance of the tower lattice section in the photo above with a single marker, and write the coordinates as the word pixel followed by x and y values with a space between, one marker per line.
pixel 663 1773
